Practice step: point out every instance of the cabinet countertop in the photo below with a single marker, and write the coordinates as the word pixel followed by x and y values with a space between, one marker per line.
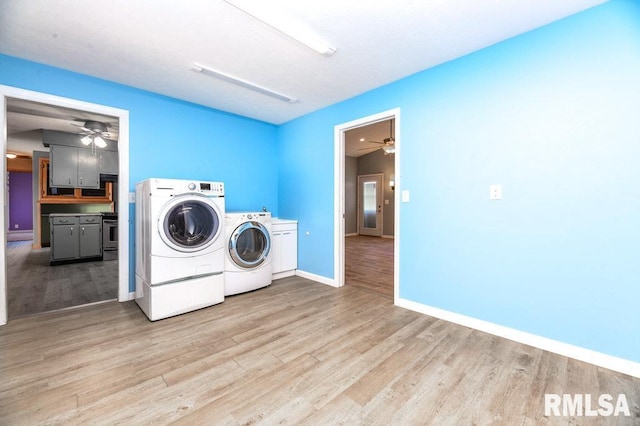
pixel 283 221
pixel 73 214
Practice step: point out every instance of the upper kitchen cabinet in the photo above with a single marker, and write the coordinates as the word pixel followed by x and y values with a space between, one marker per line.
pixel 108 162
pixel 74 167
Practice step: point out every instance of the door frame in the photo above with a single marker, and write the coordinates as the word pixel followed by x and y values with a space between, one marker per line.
pixel 123 181
pixel 379 200
pixel 339 193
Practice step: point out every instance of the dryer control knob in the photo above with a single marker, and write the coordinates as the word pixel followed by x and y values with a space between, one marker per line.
pixel 249 216
pixel 192 187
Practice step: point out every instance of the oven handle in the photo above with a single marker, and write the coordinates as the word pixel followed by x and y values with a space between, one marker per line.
pixel 109 221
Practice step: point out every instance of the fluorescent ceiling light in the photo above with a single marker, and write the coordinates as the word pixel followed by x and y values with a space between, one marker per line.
pixel 244 83
pixel 267 13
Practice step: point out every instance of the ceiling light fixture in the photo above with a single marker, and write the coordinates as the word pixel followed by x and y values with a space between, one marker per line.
pixel 11 155
pixel 244 83
pixel 389 149
pixel 277 19
pixel 97 131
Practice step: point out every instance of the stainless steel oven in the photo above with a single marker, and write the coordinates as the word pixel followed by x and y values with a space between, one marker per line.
pixel 110 236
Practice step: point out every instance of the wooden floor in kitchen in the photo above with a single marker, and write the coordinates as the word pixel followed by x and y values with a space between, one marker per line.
pixel 297 352
pixel 34 286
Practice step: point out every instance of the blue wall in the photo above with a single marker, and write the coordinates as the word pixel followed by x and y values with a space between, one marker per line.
pixel 170 138
pixel 552 116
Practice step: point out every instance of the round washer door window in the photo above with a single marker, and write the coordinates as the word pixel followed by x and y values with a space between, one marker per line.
pixel 249 245
pixel 190 224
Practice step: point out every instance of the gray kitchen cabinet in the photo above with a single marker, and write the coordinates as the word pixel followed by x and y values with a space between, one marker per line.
pixel 73 167
pixel 90 236
pixel 75 237
pixel 109 162
pixel 64 231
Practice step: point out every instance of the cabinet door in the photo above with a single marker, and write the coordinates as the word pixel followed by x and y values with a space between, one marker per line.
pixel 64 242
pixel 90 240
pixel 276 252
pixel 63 169
pixel 88 170
pixel 289 250
pixel 109 162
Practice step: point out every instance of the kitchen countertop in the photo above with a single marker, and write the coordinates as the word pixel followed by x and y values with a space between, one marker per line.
pixel 75 214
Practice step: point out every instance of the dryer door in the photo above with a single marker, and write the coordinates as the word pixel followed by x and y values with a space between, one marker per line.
pixel 190 223
pixel 249 245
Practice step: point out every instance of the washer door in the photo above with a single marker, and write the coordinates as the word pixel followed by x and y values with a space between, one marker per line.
pixel 190 223
pixel 249 245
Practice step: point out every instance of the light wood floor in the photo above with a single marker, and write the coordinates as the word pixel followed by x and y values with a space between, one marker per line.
pixel 369 264
pixel 33 286
pixel 297 352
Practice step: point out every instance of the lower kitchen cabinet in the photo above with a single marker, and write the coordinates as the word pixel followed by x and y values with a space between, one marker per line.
pixel 75 237
pixel 284 243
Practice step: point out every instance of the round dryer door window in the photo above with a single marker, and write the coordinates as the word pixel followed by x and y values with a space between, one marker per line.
pixel 189 224
pixel 249 245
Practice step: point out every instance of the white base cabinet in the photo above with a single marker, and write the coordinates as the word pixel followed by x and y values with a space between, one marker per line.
pixel 284 243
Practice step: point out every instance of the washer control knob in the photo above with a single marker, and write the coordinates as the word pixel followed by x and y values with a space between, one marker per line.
pixel 249 216
pixel 192 186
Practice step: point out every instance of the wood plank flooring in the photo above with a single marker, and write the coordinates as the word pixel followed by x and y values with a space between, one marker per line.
pixel 33 286
pixel 297 352
pixel 369 264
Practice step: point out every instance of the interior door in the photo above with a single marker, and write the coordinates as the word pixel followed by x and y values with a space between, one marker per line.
pixel 370 204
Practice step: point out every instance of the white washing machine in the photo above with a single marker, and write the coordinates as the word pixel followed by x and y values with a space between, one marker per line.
pixel 180 243
pixel 248 263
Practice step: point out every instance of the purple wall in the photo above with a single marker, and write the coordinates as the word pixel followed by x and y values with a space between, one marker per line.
pixel 20 201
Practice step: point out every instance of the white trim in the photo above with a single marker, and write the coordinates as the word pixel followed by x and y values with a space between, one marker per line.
pixel 317 278
pixel 130 296
pixel 284 274
pixel 123 181
pixel 355 234
pixel 339 189
pixel 576 352
pixel 388 236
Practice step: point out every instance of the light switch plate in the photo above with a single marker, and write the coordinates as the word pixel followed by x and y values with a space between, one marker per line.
pixel 495 192
pixel 405 195
pixel 132 197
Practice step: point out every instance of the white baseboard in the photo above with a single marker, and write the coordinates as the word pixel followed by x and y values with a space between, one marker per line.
pixel 21 235
pixel 355 234
pixel 576 352
pixel 284 274
pixel 318 278
pixel 388 236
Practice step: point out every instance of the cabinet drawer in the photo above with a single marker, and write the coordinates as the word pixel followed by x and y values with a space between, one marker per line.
pixel 90 219
pixel 64 220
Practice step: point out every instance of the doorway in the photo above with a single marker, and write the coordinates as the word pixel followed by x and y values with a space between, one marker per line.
pixel 341 163
pixel 10 93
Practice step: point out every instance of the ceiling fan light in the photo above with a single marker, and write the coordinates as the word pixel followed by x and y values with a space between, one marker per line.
pixel 86 140
pixel 100 143
pixel 389 149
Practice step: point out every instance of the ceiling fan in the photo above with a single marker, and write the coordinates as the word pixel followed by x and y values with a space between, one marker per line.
pixel 388 144
pixel 96 133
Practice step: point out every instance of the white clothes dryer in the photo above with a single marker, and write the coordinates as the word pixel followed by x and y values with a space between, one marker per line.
pixel 179 246
pixel 248 263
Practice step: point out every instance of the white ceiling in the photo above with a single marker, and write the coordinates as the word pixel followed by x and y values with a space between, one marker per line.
pixel 151 44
